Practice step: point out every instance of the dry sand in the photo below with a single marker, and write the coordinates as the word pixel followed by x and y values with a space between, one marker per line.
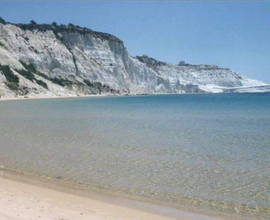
pixel 57 97
pixel 30 201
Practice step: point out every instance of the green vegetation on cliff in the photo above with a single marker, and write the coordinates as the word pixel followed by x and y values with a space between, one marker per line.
pixel 28 74
pixel 12 80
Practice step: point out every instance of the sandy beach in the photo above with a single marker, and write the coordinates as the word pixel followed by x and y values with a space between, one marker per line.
pixel 56 97
pixel 38 200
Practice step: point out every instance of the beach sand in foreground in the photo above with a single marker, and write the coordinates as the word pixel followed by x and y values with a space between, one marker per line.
pixel 24 201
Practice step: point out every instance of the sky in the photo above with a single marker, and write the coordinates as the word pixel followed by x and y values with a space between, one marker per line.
pixel 231 34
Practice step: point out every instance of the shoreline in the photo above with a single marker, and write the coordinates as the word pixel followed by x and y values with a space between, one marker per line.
pixel 56 97
pixel 118 95
pixel 29 187
pixel 133 203
pixel 82 96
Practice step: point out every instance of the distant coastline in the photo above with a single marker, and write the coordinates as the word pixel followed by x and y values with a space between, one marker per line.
pixel 52 60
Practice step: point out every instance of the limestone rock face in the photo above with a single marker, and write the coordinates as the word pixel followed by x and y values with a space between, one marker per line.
pixel 187 78
pixel 51 60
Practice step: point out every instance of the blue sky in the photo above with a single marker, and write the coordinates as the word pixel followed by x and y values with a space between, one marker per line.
pixel 229 34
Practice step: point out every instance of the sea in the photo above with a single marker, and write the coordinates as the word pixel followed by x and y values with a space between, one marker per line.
pixel 208 151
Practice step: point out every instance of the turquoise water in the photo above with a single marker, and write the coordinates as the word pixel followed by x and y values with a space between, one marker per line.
pixel 211 151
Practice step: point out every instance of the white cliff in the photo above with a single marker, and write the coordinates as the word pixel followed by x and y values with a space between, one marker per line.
pixel 51 60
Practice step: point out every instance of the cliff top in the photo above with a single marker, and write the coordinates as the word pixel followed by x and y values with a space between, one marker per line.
pixel 153 63
pixel 62 28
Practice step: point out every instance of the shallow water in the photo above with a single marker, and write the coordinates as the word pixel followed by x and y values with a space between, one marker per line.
pixel 211 151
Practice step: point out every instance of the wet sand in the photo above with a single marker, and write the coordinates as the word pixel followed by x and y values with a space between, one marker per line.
pixel 27 198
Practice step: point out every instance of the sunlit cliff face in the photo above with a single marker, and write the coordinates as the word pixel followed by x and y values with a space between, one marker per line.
pixel 72 60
